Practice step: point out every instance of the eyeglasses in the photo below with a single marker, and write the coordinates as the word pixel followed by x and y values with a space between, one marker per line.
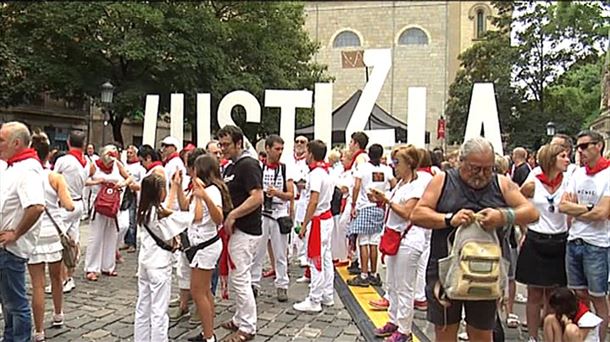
pixel 478 169
pixel 300 141
pixel 585 145
pixel 551 201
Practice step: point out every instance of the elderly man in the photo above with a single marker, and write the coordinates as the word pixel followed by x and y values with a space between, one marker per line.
pixel 452 199
pixel 21 205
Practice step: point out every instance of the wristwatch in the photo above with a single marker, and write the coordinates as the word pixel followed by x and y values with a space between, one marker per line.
pixel 590 206
pixel 448 218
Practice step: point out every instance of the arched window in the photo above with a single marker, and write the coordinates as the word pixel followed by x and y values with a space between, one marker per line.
pixel 480 23
pixel 346 39
pixel 413 36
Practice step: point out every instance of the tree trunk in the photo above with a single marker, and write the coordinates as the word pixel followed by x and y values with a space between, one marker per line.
pixel 116 121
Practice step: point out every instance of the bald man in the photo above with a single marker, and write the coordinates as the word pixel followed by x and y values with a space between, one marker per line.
pixel 520 167
pixel 21 205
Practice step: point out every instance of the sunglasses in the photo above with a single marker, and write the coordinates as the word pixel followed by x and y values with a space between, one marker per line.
pixel 300 141
pixel 585 145
pixel 551 201
pixel 395 161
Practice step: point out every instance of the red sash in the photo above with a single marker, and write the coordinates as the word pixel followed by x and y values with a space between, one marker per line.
pixel 314 244
pixel 23 155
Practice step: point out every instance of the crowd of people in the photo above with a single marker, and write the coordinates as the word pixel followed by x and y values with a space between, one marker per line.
pixel 213 214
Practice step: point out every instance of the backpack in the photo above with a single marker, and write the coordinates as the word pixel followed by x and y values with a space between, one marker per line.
pixel 475 268
pixel 108 201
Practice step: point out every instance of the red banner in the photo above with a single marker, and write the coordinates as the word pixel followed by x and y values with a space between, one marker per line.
pixel 440 129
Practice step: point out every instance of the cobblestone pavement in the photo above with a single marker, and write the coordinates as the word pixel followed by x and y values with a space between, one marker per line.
pixel 104 311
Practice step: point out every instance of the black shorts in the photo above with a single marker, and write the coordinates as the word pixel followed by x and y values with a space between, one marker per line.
pixel 479 314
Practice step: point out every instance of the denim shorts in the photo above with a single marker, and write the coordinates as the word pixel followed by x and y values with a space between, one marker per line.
pixel 587 267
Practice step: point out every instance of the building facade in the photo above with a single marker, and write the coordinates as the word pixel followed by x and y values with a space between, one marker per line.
pixel 425 37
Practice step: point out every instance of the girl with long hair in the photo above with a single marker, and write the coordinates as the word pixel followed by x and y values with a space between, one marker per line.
pixel 159 228
pixel 48 249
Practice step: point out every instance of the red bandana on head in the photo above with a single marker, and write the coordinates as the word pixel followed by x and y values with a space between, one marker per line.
pixel 170 157
pixel 79 155
pixel 23 155
pixel 105 169
pixel 552 183
pixel 601 165
pixel 354 157
pixel 153 165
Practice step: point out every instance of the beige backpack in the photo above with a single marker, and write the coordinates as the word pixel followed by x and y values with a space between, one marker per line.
pixel 475 268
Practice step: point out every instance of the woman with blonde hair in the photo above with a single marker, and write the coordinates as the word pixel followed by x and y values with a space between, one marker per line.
pixel 541 263
pixel 100 256
pixel 48 249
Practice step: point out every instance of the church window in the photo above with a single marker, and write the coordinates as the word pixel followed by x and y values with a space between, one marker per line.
pixel 480 23
pixel 413 36
pixel 346 39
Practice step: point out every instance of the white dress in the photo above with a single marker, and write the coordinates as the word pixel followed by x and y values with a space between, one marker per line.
pixel 48 248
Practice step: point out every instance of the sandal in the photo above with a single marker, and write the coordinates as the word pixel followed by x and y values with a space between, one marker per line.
pixel 229 325
pixel 239 336
pixel 110 274
pixel 512 321
pixel 91 276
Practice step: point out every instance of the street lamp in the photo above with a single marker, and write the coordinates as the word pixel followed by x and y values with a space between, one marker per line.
pixel 550 128
pixel 106 97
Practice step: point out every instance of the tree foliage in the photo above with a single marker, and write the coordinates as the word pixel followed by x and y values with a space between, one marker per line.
pixel 70 48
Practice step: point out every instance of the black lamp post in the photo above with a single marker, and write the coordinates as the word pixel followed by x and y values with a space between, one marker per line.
pixel 106 99
pixel 550 128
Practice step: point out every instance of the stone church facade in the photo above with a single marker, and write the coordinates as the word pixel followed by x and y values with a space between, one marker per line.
pixel 426 38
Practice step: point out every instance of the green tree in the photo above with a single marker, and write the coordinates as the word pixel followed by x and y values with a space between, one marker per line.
pixel 70 48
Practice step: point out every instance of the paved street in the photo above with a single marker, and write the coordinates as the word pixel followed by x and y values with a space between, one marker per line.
pixel 104 311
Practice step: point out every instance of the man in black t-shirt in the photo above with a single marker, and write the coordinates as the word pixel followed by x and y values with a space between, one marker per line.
pixel 244 179
pixel 520 167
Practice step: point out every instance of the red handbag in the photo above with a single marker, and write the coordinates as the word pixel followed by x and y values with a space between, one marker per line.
pixel 108 201
pixel 390 241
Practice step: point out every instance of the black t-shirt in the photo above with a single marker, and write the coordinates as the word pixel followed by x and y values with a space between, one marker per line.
pixel 241 177
pixel 520 174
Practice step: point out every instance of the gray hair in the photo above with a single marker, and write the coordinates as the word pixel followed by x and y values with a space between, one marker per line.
pixel 18 131
pixel 475 145
pixel 132 147
pixel 104 153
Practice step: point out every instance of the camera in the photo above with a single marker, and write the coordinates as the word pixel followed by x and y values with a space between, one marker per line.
pixel 267 203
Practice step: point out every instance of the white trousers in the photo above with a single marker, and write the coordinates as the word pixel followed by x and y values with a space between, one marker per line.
pixel 420 285
pixel 154 291
pixel 101 247
pixel 322 282
pixel 123 220
pixel 72 220
pixel 401 276
pixel 339 239
pixel 242 248
pixel 279 243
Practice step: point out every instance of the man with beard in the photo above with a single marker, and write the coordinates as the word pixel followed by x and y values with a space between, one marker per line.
pixel 452 199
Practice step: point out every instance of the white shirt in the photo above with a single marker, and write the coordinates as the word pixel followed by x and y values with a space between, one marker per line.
pixel 372 176
pixel 136 170
pixel 151 255
pixel 21 186
pixel 549 222
pixel 205 229
pixel 320 182
pixel 274 177
pixel 591 321
pixel 74 173
pixel 590 190
pixel 171 167
pixel 300 171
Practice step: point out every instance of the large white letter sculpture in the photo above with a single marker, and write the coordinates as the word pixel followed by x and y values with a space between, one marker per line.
pixel 246 100
pixel 483 111
pixel 416 117
pixel 150 120
pixel 381 61
pixel 288 101
pixel 204 125
pixel 176 124
pixel 323 113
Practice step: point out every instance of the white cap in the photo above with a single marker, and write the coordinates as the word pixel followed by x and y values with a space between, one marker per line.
pixel 171 141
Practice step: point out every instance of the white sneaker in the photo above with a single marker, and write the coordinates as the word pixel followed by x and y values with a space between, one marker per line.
pixel 307 306
pixel 47 289
pixel 463 336
pixel 69 285
pixel 303 279
pixel 329 302
pixel 58 320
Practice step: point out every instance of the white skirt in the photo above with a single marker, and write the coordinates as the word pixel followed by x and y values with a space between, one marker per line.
pixel 48 248
pixel 207 258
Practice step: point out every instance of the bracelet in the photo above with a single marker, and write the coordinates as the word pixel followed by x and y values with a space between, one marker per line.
pixel 509 216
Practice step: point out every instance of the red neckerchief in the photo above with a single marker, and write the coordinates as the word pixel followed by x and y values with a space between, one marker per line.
pixel 319 164
pixel 551 183
pixel 354 157
pixel 314 244
pixel 224 162
pixel 171 156
pixel 23 155
pixel 79 155
pixel 297 158
pixel 601 165
pixel 105 169
pixel 272 165
pixel 581 311
pixel 426 169
pixel 153 165
pixel 133 162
